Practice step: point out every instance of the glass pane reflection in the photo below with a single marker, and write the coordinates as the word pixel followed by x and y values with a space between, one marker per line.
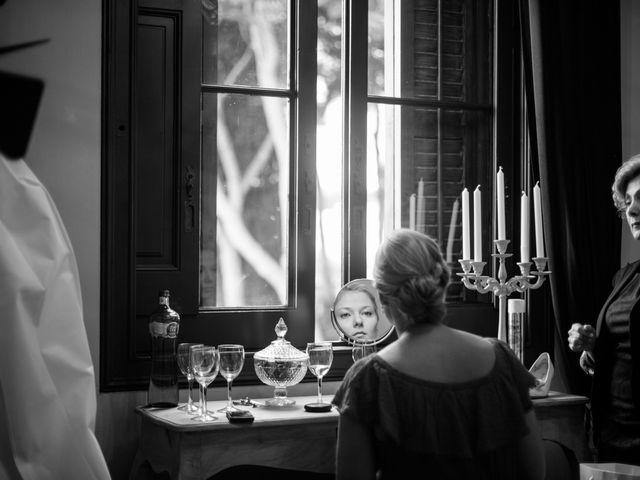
pixel 245 226
pixel 430 154
pixel 246 42
pixel 430 49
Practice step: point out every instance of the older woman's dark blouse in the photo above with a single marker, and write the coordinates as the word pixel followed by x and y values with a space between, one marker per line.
pixel 441 430
pixel 622 422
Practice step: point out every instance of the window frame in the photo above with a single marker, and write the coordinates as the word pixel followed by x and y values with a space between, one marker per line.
pixel 125 366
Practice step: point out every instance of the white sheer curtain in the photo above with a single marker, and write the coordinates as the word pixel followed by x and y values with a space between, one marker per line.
pixel 47 386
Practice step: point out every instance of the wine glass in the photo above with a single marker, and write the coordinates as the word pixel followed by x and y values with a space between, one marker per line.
pixel 197 408
pixel 320 359
pixel 205 363
pixel 185 367
pixel 231 363
pixel 362 348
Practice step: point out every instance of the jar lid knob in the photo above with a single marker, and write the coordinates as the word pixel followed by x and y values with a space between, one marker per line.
pixel 281 329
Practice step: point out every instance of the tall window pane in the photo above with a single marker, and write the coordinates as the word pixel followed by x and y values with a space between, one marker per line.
pixel 430 118
pixel 245 210
pixel 329 158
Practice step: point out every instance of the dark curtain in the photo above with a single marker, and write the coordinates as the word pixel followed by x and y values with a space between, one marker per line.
pixel 572 83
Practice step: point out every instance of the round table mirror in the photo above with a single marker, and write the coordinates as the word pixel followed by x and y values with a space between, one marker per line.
pixel 358 317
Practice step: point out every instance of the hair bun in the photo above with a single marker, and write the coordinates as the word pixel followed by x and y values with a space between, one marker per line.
pixel 423 297
pixel 412 277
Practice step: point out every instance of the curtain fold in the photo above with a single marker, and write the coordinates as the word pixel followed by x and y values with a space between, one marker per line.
pixel 571 54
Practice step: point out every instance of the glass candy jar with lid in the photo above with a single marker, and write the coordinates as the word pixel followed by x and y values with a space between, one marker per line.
pixel 280 365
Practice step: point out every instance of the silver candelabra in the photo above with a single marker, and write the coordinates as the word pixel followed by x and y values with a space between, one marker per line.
pixel 501 287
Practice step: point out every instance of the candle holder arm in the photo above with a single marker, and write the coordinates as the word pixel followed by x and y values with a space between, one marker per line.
pixel 502 287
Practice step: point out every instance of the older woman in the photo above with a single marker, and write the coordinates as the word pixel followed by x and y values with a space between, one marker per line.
pixel 609 351
pixel 438 401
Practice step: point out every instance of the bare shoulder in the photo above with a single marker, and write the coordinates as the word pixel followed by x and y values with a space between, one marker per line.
pixel 476 354
pixel 447 356
pixel 472 340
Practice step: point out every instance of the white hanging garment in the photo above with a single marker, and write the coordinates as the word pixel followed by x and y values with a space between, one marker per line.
pixel 47 389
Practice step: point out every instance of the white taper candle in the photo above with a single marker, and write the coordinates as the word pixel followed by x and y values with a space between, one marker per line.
pixel 452 229
pixel 537 213
pixel 412 211
pixel 500 199
pixel 524 228
pixel 466 244
pixel 420 208
pixel 477 225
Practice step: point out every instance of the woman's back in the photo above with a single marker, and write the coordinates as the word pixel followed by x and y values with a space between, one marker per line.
pixel 438 401
pixel 462 419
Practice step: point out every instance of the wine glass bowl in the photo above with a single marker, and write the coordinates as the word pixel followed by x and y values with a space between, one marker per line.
pixel 320 360
pixel 205 362
pixel 231 363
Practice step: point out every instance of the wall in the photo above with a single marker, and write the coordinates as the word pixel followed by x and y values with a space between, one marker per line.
pixel 630 89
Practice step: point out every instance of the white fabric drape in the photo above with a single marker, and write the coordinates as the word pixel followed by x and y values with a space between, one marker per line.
pixel 47 388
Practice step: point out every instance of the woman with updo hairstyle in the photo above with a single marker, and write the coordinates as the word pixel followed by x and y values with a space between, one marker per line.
pixel 412 277
pixel 439 401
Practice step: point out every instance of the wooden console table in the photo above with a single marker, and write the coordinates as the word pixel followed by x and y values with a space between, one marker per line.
pixel 171 441
pixel 561 418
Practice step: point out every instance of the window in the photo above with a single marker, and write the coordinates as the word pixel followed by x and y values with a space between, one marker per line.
pixel 429 116
pixel 256 151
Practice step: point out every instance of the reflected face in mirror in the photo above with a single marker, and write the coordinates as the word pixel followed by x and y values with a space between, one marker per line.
pixel 356 314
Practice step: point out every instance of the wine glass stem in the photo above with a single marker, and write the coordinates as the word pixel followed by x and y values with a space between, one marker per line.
pixel 229 401
pixel 319 389
pixel 190 399
pixel 204 403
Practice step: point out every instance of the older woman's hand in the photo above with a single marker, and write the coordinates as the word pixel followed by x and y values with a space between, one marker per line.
pixel 581 337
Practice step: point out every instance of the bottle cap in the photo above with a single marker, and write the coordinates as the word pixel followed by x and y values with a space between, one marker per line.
pixel 165 293
pixel 516 306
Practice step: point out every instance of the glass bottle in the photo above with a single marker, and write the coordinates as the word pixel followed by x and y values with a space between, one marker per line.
pixel 515 310
pixel 163 328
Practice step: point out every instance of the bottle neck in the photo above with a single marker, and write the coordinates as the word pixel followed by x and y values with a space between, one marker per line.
pixel 163 301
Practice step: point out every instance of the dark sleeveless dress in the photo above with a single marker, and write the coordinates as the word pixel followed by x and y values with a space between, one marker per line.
pixel 443 431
